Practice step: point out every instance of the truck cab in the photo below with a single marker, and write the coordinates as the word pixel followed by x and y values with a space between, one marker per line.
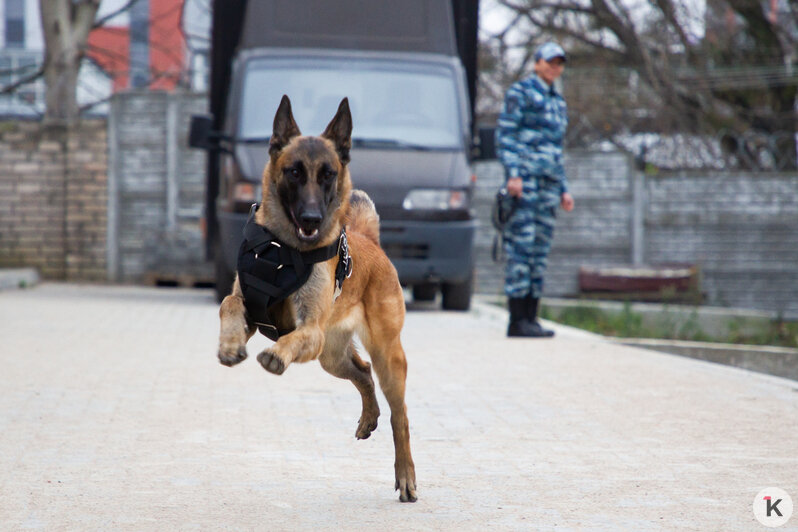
pixel 411 141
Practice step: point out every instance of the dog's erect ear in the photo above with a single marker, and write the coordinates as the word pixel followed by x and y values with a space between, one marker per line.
pixel 339 130
pixel 284 128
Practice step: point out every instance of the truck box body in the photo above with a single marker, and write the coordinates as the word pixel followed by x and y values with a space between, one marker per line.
pixel 398 64
pixel 406 26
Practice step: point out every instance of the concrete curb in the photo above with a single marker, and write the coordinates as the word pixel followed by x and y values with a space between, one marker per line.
pixel 12 279
pixel 781 362
pixel 777 361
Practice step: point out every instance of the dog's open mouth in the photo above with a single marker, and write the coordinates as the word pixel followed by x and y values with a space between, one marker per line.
pixel 307 235
pixel 304 231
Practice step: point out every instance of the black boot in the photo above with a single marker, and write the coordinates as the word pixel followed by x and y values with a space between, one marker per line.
pixel 519 323
pixel 532 304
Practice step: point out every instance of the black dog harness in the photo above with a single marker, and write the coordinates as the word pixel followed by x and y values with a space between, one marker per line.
pixel 270 270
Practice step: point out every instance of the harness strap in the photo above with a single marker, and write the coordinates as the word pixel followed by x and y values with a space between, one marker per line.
pixel 270 270
pixel 262 286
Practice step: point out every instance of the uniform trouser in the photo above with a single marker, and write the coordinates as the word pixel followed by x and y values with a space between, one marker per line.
pixel 527 241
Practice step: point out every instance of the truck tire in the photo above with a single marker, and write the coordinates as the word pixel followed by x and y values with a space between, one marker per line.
pixel 224 277
pixel 425 291
pixel 457 296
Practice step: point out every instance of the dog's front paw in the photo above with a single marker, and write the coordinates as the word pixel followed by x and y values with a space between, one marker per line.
pixel 271 362
pixel 230 355
pixel 406 483
pixel 367 424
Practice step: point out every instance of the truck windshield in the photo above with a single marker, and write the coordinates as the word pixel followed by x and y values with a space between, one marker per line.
pixel 393 104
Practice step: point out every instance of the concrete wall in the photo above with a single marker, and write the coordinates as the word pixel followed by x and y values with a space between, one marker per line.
pixel 740 228
pixel 156 189
pixel 598 232
pixel 53 189
pixel 122 201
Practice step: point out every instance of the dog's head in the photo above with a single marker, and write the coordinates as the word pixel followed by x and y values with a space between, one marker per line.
pixel 306 183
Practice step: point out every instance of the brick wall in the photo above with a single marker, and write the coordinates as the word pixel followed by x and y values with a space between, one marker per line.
pixel 53 190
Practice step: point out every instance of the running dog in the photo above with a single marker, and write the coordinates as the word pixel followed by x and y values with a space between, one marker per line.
pixel 308 206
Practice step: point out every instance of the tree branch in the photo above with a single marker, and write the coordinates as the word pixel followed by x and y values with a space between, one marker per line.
pixel 23 81
pixel 669 12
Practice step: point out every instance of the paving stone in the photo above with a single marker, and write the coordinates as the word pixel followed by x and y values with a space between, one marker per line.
pixel 116 415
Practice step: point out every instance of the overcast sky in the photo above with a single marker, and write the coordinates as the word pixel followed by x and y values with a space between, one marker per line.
pixel 494 17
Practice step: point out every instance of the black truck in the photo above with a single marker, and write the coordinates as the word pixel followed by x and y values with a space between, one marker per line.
pixel 409 71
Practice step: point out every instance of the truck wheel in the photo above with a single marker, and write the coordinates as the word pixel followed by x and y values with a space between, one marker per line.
pixel 457 296
pixel 425 291
pixel 224 277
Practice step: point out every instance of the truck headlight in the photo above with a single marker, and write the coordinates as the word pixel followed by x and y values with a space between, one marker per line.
pixel 245 192
pixel 435 199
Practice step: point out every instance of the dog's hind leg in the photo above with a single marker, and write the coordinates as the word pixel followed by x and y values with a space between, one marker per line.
pixel 340 359
pixel 235 328
pixel 390 365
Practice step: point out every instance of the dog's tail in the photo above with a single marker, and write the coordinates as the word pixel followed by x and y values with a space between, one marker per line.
pixel 362 216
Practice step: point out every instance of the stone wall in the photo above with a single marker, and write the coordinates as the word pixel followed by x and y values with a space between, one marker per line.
pixel 741 229
pixel 53 190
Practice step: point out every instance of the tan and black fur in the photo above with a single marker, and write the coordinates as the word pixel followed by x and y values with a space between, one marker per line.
pixel 307 197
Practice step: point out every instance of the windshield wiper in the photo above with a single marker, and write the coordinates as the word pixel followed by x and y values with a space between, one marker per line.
pixel 388 143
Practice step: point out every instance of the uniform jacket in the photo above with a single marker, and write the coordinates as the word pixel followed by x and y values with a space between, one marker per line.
pixel 530 134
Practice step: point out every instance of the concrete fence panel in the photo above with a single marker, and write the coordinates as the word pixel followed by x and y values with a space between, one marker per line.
pixel 156 186
pixel 740 228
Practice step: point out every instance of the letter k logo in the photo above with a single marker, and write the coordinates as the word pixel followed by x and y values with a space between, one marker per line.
pixel 772 506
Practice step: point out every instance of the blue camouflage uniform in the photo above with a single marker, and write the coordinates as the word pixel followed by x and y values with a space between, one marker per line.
pixel 529 138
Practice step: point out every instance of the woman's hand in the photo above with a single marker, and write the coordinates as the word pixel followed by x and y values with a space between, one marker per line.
pixel 515 186
pixel 566 200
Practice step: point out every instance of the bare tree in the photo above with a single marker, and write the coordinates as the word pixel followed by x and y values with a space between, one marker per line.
pixel 66 25
pixel 661 64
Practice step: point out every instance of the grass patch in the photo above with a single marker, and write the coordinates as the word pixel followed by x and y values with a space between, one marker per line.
pixel 630 324
pixel 779 332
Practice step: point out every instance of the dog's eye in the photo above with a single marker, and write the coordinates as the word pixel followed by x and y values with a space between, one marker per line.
pixel 329 175
pixel 293 173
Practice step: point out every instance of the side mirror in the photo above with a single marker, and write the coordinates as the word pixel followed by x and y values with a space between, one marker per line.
pixel 486 149
pixel 201 134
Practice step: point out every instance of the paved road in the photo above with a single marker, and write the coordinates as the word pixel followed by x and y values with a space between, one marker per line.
pixel 115 415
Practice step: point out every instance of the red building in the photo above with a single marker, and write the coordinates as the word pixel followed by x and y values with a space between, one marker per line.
pixel 109 47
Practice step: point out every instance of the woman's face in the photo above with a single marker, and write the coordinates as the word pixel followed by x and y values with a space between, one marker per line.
pixel 549 71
